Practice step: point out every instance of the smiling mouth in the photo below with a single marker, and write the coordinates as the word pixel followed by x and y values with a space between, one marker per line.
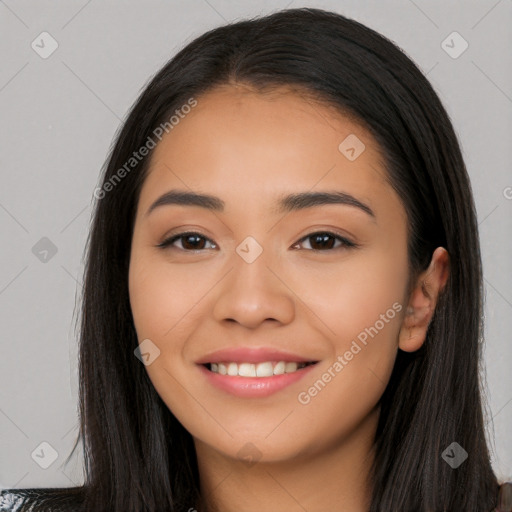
pixel 263 369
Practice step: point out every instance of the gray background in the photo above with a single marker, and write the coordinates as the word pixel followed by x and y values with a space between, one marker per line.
pixel 59 116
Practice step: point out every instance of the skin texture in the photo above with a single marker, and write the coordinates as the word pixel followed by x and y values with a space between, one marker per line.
pixel 248 148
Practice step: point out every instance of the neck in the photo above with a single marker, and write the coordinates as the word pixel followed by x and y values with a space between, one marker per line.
pixel 333 478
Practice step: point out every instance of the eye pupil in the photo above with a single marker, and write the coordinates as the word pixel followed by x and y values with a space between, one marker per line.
pixel 187 240
pixel 322 240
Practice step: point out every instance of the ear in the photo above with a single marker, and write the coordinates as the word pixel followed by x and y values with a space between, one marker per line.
pixel 422 302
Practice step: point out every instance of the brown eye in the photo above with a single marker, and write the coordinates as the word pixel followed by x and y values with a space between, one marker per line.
pixel 324 240
pixel 190 241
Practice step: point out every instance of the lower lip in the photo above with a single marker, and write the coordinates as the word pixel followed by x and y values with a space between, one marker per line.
pixel 252 387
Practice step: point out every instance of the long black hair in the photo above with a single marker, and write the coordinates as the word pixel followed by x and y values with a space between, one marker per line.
pixel 138 457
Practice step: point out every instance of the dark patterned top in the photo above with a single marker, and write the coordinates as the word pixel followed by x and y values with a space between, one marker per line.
pixel 70 500
pixel 42 500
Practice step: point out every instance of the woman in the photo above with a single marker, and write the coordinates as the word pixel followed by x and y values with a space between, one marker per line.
pixel 282 299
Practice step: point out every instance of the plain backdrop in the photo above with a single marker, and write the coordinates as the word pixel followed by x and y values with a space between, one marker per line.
pixel 59 113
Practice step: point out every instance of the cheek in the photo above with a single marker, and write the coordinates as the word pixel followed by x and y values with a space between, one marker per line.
pixel 163 299
pixel 353 295
pixel 365 312
pixel 163 310
pixel 362 308
pixel 150 297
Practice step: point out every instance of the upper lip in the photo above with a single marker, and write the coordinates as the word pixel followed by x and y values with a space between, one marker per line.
pixel 252 355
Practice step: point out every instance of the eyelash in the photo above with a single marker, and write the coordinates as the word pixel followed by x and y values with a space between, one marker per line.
pixel 345 243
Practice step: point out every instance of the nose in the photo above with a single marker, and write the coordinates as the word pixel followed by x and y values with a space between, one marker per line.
pixel 254 293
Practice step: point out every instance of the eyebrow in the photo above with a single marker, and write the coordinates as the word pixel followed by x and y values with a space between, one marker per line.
pixel 286 203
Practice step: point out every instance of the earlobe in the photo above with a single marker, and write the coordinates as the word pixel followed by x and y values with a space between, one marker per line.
pixel 414 326
pixel 422 302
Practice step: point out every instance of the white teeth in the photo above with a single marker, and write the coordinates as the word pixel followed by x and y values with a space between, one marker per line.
pixel 265 369
pixel 279 368
pixel 232 369
pixel 246 370
pixel 290 367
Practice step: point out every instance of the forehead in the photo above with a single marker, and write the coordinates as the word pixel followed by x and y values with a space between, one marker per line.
pixel 265 144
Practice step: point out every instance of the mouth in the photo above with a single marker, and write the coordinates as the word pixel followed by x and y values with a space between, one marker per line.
pixel 257 370
pixel 253 372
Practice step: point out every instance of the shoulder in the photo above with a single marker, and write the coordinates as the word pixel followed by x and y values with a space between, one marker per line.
pixel 48 499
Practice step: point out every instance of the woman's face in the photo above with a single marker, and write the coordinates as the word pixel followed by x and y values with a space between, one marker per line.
pixel 265 283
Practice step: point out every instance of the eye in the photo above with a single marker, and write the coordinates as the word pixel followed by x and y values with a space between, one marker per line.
pixel 325 240
pixel 321 241
pixel 191 241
